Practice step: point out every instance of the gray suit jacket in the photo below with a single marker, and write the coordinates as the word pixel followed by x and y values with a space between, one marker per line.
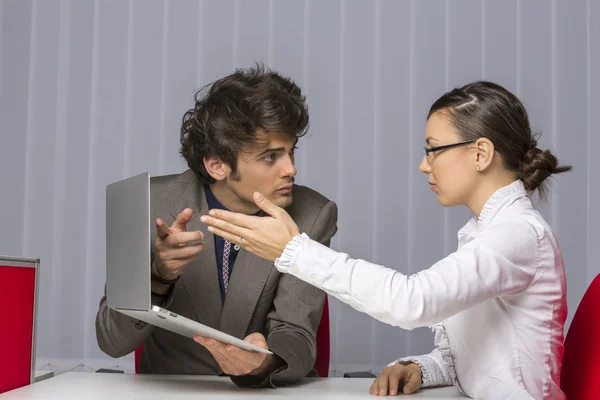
pixel 284 309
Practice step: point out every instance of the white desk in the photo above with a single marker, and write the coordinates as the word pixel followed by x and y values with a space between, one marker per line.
pixel 90 386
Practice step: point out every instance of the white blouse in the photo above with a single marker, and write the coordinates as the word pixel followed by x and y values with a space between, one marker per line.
pixel 497 305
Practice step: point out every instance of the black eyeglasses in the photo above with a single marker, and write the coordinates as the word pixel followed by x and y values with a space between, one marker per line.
pixel 430 150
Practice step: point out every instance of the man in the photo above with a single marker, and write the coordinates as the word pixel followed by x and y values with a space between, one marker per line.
pixel 239 138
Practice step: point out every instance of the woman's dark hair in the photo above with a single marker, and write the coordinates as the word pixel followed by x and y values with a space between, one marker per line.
pixel 487 110
pixel 228 113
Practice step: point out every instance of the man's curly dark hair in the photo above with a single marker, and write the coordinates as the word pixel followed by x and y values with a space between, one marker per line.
pixel 230 111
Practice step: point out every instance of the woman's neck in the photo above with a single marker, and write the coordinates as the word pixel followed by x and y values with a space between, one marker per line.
pixel 486 189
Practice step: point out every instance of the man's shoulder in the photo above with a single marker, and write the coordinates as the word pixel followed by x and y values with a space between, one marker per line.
pixel 307 201
pixel 313 213
pixel 167 189
pixel 306 193
pixel 173 180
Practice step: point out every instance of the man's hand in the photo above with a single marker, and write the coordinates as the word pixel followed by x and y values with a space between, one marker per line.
pixel 175 246
pixel 235 361
pixel 406 378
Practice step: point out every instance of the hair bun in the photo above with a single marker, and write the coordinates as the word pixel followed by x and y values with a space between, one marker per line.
pixel 532 145
pixel 539 165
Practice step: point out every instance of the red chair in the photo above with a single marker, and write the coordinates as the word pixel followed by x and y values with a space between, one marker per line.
pixel 323 346
pixel 18 290
pixel 580 374
pixel 323 343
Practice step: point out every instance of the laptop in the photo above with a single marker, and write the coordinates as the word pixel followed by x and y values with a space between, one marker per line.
pixel 128 263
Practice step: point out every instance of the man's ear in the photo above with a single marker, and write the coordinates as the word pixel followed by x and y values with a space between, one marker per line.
pixel 216 168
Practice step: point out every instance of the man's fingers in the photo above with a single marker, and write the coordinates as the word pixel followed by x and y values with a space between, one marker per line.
pixel 257 339
pixel 200 339
pixel 184 238
pixel 223 362
pixel 185 261
pixel 182 219
pixel 244 359
pixel 162 230
pixel 237 361
pixel 235 352
pixel 181 253
pixel 211 345
pixel 231 361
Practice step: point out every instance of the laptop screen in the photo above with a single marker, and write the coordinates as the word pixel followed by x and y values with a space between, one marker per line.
pixel 128 243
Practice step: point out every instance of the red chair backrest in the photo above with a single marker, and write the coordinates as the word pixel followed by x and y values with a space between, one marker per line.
pixel 18 292
pixel 138 357
pixel 580 373
pixel 323 345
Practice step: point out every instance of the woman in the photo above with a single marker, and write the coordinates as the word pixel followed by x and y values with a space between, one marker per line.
pixel 497 305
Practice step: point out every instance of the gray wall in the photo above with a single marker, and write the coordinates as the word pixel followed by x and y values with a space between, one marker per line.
pixel 93 91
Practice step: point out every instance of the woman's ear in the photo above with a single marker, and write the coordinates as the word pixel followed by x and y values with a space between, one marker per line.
pixel 484 154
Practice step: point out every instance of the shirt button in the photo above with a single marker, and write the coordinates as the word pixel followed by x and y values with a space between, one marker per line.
pixel 295 269
pixel 313 280
pixel 236 247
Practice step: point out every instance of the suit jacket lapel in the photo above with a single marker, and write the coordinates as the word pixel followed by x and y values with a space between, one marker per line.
pixel 245 288
pixel 200 277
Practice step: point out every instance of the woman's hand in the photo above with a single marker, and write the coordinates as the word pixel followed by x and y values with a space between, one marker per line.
pixel 399 377
pixel 264 236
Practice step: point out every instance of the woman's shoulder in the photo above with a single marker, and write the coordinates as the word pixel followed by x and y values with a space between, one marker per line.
pixel 522 218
